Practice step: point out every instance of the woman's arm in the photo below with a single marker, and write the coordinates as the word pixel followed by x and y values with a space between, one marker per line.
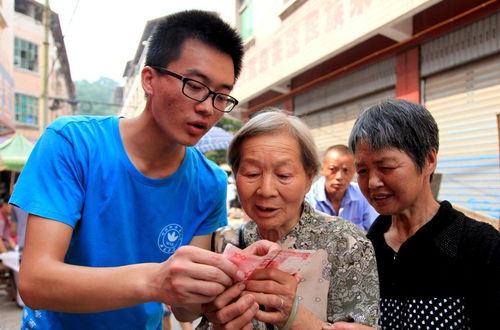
pixel 275 290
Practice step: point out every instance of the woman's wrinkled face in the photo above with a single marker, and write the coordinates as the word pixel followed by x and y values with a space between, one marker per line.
pixel 389 179
pixel 272 181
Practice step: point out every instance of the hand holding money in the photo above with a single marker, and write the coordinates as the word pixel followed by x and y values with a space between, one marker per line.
pixel 290 261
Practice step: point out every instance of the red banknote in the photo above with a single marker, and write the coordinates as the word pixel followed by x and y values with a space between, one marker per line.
pixel 290 261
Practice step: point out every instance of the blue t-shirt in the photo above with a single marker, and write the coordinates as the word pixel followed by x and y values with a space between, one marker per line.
pixel 354 206
pixel 79 174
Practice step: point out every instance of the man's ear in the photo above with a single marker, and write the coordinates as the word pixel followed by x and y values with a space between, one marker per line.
pixel 431 162
pixel 147 78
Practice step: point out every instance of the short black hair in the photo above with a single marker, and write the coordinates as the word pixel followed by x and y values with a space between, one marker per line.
pixel 399 124
pixel 342 149
pixel 172 31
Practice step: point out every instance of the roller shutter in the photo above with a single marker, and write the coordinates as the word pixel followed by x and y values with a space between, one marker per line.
pixel 465 102
pixel 333 125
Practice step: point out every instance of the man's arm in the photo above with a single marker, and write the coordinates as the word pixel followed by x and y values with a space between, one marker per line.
pixel 190 276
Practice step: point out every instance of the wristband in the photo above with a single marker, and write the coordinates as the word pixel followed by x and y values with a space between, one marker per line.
pixel 293 314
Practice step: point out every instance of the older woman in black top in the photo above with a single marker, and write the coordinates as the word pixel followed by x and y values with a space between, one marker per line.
pixel 438 268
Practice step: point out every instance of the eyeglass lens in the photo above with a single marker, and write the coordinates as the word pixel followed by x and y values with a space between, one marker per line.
pixel 200 92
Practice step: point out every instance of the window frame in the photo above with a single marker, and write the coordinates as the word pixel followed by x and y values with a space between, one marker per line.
pixel 246 23
pixel 30 104
pixel 27 61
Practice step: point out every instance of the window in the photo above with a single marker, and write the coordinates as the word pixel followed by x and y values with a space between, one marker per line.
pixel 289 7
pixel 34 10
pixel 26 109
pixel 246 19
pixel 25 55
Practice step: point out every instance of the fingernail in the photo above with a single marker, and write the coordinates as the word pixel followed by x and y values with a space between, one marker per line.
pixel 249 299
pixel 241 286
pixel 240 275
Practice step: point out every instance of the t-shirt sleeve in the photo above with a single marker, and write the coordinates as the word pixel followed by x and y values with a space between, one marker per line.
pixel 51 183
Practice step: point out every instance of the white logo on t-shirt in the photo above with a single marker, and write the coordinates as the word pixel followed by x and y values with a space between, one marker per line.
pixel 170 238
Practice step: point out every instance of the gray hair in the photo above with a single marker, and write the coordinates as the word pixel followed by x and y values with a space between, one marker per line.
pixel 272 120
pixel 399 124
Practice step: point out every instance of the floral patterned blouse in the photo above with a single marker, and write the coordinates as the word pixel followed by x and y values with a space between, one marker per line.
pixel 346 288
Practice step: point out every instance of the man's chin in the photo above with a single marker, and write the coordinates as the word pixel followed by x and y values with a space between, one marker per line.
pixel 335 191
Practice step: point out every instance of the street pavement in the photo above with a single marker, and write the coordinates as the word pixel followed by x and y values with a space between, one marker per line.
pixel 10 313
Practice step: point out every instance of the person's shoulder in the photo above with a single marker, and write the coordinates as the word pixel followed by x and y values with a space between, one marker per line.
pixel 76 121
pixel 227 234
pixel 78 127
pixel 339 237
pixel 334 225
pixel 355 191
pixel 467 234
pixel 470 225
pixel 480 230
pixel 316 191
pixel 319 184
pixel 206 169
pixel 206 163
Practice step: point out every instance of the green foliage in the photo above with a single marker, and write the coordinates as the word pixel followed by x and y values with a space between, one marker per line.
pixel 96 98
pixel 230 125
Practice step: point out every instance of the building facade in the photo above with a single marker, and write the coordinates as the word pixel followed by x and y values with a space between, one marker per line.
pixel 28 69
pixel 6 68
pixel 327 60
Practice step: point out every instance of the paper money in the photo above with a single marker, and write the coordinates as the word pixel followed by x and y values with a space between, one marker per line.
pixel 290 261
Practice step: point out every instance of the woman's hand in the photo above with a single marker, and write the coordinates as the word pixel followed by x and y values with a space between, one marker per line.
pixel 230 310
pixel 262 247
pixel 275 290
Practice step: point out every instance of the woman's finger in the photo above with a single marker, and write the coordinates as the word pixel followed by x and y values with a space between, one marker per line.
pixel 235 315
pixel 224 298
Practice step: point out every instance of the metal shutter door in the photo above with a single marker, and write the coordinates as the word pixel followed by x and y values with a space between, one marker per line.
pixel 465 102
pixel 333 125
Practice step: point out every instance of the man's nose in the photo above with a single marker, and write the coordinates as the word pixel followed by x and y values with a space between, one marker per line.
pixel 206 107
pixel 340 175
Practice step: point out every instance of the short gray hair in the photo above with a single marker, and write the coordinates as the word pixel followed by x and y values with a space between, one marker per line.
pixel 272 120
pixel 399 124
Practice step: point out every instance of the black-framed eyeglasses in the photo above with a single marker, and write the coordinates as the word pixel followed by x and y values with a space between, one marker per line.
pixel 198 91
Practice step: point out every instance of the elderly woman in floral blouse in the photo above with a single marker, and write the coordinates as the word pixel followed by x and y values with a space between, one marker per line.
pixel 274 161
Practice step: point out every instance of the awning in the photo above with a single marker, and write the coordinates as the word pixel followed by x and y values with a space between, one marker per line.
pixel 215 139
pixel 14 153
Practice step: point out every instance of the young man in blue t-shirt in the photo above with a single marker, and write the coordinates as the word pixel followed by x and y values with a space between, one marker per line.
pixel 113 201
